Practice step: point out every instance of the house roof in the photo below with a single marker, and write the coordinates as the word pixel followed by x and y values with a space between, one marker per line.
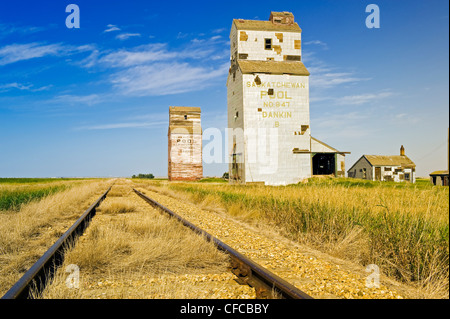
pixel 256 25
pixel 272 67
pixel 390 160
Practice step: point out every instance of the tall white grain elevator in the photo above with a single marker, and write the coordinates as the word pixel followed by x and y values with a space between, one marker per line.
pixel 268 106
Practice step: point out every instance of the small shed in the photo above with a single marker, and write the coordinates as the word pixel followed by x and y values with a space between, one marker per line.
pixel 397 168
pixel 327 160
pixel 439 178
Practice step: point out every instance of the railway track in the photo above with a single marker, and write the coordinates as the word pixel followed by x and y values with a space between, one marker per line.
pixel 35 279
pixel 265 283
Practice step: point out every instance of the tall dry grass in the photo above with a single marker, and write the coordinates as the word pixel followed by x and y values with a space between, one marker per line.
pixel 26 234
pixel 127 247
pixel 404 229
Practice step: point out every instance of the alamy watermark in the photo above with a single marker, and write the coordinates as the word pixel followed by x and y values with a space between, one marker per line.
pixel 73 19
pixel 373 19
pixel 373 280
pixel 73 279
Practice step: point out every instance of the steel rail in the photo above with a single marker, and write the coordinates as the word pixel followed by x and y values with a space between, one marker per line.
pixel 36 278
pixel 266 283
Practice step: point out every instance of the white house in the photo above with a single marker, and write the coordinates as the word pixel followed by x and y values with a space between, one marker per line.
pixel 398 168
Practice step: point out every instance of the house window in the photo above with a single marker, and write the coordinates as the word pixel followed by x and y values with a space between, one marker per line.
pixel 387 169
pixel 270 92
pixel 407 176
pixel 268 44
pixel 185 117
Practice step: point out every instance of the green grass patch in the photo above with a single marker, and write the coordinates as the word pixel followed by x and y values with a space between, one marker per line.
pixel 35 180
pixel 13 199
pixel 213 180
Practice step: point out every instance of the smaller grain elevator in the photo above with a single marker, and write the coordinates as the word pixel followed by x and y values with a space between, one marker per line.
pixel 185 144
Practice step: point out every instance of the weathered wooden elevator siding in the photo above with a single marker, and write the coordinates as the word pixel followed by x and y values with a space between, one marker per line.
pixel 185 144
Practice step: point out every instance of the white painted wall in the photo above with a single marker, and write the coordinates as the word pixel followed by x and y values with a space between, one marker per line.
pixel 278 118
pixel 254 46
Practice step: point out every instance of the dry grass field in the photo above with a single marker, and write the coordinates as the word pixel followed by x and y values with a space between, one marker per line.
pixel 29 229
pixel 402 228
pixel 131 250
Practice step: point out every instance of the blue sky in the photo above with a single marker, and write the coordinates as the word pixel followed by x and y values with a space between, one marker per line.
pixel 94 101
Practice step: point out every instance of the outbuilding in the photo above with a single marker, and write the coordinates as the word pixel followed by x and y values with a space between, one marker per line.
pixel 397 168
pixel 439 178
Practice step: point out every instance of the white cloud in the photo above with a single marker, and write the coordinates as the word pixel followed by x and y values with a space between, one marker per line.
pixel 165 78
pixel 138 55
pixel 154 69
pixel 123 125
pixel 20 52
pixel 320 78
pixel 22 87
pixel 157 52
pixel 10 29
pixel 219 30
pixel 325 76
pixel 111 28
pixel 317 42
pixel 354 125
pixel 15 85
pixel 69 99
pixel 362 98
pixel 125 36
pixel 357 99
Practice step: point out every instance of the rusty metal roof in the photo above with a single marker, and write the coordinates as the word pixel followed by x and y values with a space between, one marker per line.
pixel 273 67
pixel 184 109
pixel 256 25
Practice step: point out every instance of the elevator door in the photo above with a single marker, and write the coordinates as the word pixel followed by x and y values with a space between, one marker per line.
pixel 324 164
